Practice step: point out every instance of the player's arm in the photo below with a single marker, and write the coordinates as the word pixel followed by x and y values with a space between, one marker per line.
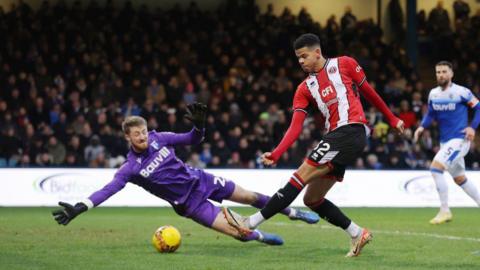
pixel 429 117
pixel 426 122
pixel 300 102
pixel 476 117
pixel 68 212
pixel 359 78
pixel 196 113
pixel 473 103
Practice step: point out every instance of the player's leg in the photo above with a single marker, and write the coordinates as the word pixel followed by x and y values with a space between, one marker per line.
pixel 444 214
pixel 223 189
pixel 340 146
pixel 315 199
pixel 212 217
pixel 258 200
pixel 458 173
pixel 437 168
pixel 280 200
pixel 446 159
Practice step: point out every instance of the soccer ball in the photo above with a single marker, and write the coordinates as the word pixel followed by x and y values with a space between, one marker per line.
pixel 166 239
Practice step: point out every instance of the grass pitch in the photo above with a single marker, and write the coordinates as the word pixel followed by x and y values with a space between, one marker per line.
pixel 119 238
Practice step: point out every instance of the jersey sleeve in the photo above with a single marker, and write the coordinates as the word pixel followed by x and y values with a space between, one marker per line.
pixel 430 116
pixel 290 136
pixel 118 183
pixel 468 97
pixel 195 136
pixel 301 100
pixel 354 70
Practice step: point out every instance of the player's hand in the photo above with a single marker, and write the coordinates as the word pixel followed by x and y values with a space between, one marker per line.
pixel 267 159
pixel 417 134
pixel 469 133
pixel 197 113
pixel 68 212
pixel 400 126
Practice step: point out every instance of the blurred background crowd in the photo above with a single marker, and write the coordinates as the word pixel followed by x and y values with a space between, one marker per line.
pixel 70 74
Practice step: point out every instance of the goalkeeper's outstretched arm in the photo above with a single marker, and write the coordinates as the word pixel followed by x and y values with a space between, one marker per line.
pixel 68 212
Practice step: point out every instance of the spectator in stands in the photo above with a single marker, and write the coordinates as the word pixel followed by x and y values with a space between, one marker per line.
pixel 407 115
pixel 94 149
pixel 461 10
pixel 56 150
pixel 438 20
pixel 348 25
pixel 396 20
pixel 71 82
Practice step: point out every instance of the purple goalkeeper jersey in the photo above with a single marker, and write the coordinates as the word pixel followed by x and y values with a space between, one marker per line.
pixel 157 169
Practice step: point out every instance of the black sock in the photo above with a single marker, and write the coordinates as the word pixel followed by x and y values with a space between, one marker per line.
pixel 284 197
pixel 331 213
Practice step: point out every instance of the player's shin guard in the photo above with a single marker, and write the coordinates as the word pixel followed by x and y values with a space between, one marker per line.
pixel 262 201
pixel 284 196
pixel 330 213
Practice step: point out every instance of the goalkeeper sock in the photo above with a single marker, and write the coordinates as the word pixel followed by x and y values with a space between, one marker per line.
pixel 254 235
pixel 472 191
pixel 262 201
pixel 331 213
pixel 283 198
pixel 442 188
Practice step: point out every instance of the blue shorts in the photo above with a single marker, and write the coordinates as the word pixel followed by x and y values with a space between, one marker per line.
pixel 198 207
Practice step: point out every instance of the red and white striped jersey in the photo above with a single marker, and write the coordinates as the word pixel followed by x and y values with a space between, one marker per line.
pixel 334 91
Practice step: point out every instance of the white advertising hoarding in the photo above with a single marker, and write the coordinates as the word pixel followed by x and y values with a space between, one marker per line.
pixel 45 187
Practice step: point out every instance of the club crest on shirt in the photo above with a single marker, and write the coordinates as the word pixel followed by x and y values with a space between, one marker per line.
pixel 155 145
pixel 332 70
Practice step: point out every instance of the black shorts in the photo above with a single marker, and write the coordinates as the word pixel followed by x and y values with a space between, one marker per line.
pixel 339 149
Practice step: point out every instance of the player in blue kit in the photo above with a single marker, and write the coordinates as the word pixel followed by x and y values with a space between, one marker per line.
pixel 152 164
pixel 448 104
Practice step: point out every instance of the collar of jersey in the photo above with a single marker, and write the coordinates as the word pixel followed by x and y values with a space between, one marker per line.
pixel 144 153
pixel 324 65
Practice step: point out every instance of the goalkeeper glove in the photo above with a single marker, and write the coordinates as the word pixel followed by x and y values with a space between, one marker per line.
pixel 69 212
pixel 197 113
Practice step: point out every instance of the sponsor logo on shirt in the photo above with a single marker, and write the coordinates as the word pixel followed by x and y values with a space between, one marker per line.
pixel 326 91
pixel 444 107
pixel 162 154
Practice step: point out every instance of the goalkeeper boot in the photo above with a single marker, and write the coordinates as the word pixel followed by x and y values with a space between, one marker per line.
pixel 237 221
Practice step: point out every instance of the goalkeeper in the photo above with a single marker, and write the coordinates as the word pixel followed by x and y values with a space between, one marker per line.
pixel 152 164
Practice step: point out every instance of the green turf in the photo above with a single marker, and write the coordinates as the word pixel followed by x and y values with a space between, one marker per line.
pixel 119 238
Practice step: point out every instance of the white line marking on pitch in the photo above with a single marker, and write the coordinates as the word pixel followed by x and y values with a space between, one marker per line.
pixel 405 233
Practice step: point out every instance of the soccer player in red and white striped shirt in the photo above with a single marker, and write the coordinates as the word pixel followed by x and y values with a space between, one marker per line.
pixel 333 86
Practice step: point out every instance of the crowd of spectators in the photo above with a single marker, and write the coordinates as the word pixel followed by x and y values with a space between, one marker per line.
pixel 69 75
